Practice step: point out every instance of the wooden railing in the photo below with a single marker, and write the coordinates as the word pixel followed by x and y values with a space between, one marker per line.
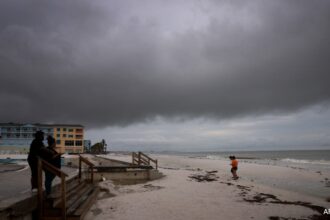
pixel 143 159
pixel 90 167
pixel 43 165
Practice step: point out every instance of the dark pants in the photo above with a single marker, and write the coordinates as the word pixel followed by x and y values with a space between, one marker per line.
pixel 49 177
pixel 234 172
pixel 34 174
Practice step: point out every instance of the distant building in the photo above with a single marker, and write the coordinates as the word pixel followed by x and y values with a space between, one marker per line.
pixel 87 145
pixel 69 138
pixel 99 148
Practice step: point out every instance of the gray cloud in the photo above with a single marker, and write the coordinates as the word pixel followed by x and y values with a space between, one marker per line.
pixel 105 63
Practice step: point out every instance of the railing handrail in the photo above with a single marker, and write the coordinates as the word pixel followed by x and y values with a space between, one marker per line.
pixel 42 164
pixel 51 168
pixel 90 164
pixel 143 158
pixel 85 160
pixel 149 158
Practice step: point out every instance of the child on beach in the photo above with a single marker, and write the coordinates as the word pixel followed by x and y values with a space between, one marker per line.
pixel 234 167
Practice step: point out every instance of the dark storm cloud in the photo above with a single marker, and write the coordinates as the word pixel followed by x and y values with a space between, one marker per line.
pixel 113 62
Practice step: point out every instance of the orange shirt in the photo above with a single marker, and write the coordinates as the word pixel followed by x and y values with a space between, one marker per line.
pixel 234 163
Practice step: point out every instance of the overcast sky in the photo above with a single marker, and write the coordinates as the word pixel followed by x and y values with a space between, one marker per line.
pixel 162 74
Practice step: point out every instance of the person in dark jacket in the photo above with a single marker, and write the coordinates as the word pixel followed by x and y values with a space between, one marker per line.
pixel 55 160
pixel 36 148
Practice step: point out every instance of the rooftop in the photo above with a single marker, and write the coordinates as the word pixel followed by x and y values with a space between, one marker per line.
pixel 41 125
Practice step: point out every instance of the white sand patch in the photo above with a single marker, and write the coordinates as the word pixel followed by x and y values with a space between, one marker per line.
pixel 176 196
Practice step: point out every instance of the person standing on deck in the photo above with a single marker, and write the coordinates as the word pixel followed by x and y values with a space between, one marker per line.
pixel 36 148
pixel 54 159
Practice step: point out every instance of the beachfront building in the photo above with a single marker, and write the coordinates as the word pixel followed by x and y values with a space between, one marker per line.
pixel 15 137
pixel 69 138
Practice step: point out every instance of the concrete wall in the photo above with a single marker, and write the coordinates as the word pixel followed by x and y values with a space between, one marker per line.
pixel 73 160
pixel 128 175
pixel 110 162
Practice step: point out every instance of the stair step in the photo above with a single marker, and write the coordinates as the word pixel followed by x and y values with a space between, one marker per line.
pixel 69 194
pixel 70 185
pixel 82 210
pixel 75 203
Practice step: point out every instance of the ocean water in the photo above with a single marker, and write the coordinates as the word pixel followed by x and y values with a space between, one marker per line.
pixel 315 160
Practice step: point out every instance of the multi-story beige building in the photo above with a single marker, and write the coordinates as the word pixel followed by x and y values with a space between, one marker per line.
pixel 69 138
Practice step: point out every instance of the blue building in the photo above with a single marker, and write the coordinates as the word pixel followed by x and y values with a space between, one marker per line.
pixel 21 135
pixel 87 145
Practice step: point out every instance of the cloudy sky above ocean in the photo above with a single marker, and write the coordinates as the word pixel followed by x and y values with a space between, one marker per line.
pixel 187 75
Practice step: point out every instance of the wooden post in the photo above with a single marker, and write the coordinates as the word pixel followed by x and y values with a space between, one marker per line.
pixel 79 168
pixel 92 174
pixel 139 156
pixel 40 199
pixel 63 187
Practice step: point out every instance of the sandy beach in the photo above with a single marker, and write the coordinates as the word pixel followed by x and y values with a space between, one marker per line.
pixel 195 188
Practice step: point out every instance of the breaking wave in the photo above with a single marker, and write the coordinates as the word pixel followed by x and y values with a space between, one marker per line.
pixel 316 162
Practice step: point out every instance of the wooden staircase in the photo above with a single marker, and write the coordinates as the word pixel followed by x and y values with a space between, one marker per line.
pixel 143 159
pixel 72 199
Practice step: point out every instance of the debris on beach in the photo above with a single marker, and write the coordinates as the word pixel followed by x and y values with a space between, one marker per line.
pixel 269 198
pixel 170 168
pixel 193 169
pixel 212 171
pixel 151 187
pixel 248 195
pixel 228 183
pixel 207 176
pixel 319 172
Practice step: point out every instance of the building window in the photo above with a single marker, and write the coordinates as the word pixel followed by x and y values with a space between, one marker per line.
pixel 64 135
pixel 70 130
pixel 58 141
pixel 69 143
pixel 78 143
pixel 58 129
pixel 79 136
pixel 79 130
pixel 70 136
pixel 58 135
pixel 64 129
